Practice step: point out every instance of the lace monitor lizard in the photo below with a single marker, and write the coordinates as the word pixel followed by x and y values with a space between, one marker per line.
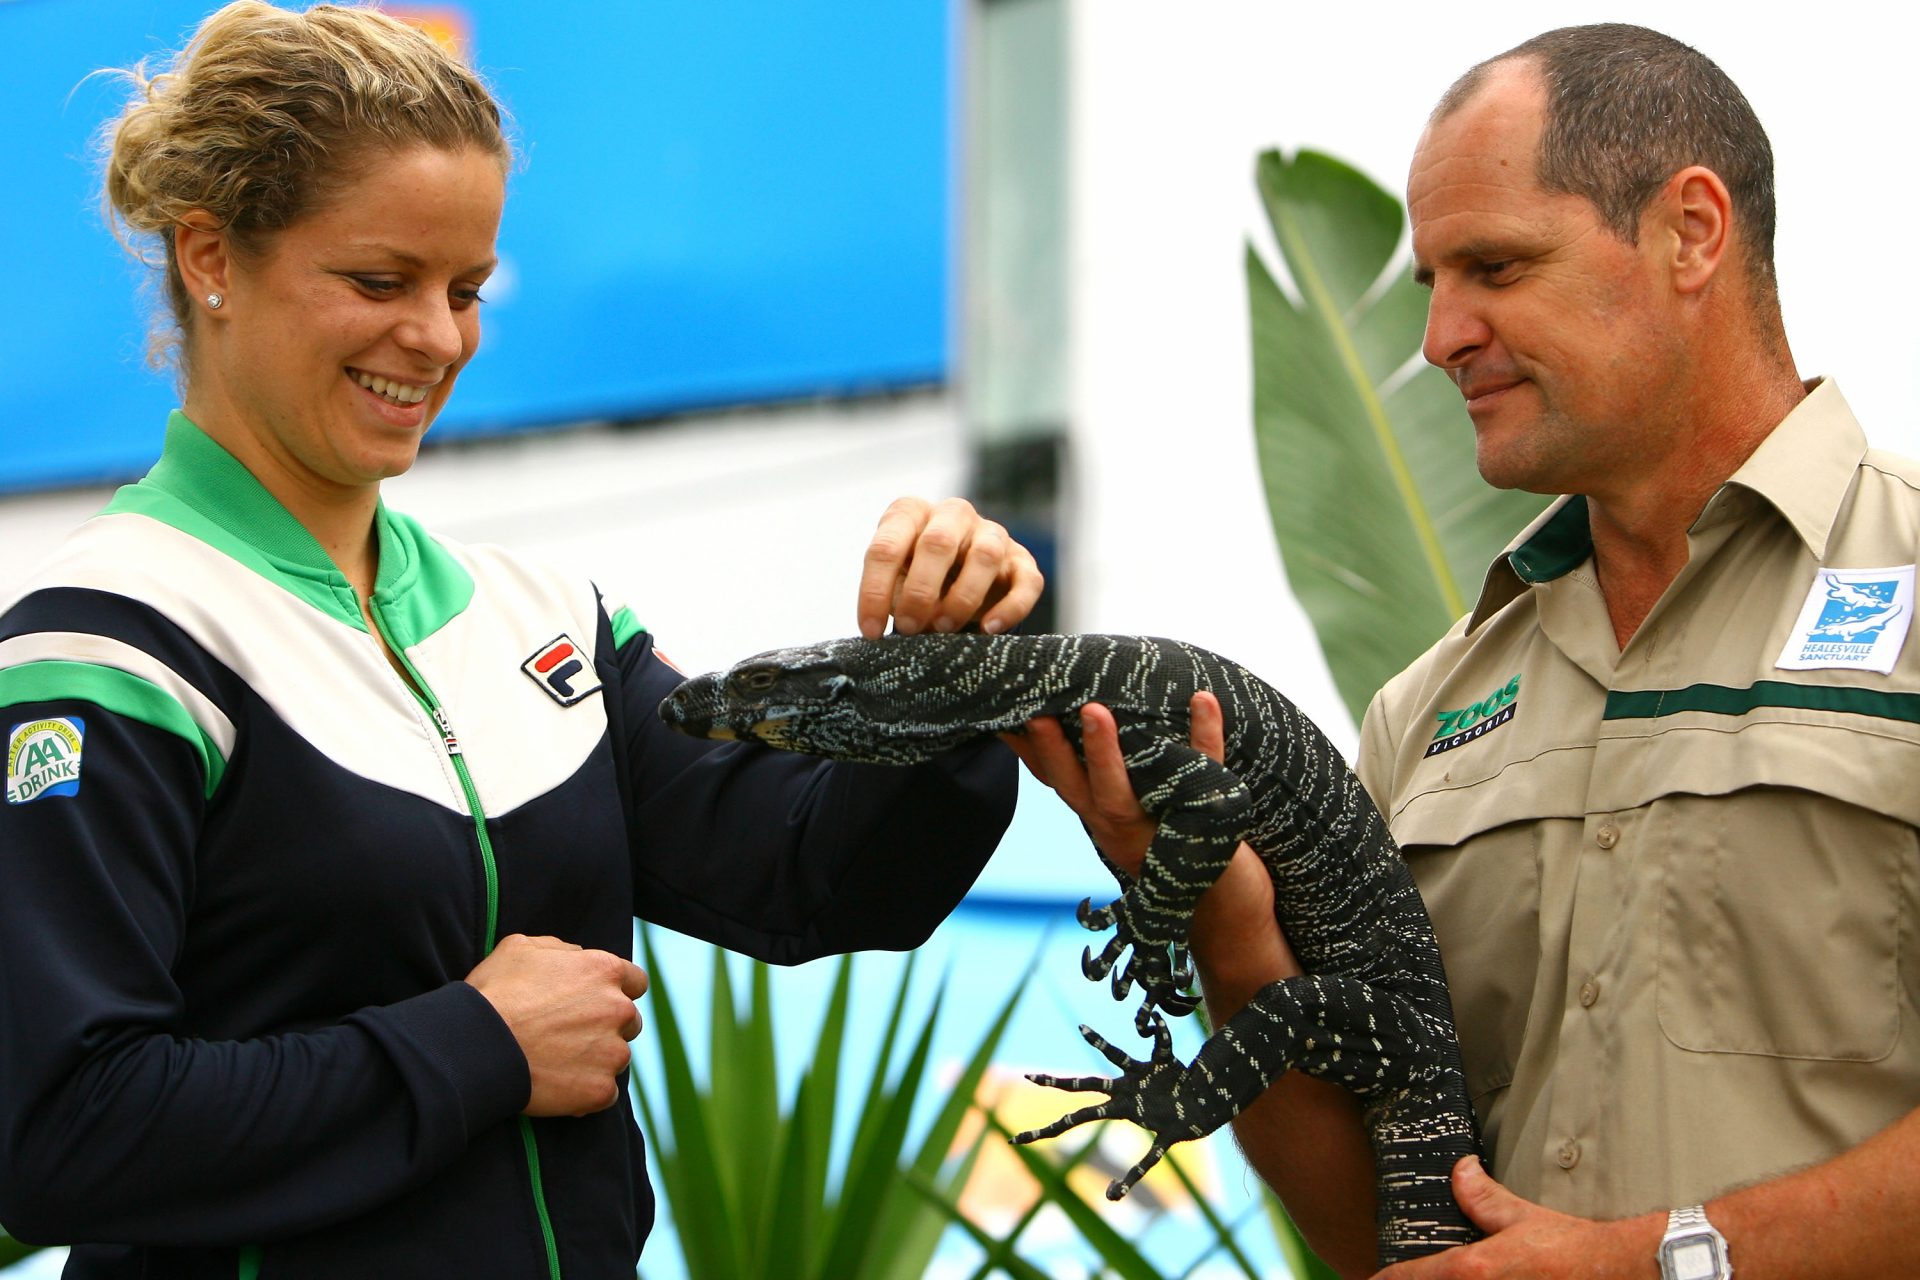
pixel 1372 1011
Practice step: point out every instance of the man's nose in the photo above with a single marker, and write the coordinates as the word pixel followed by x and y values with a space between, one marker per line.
pixel 1456 330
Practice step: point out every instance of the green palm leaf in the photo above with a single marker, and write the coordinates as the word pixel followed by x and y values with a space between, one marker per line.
pixel 1384 526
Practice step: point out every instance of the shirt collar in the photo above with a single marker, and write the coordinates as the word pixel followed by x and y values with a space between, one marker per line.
pixel 1803 469
pixel 198 471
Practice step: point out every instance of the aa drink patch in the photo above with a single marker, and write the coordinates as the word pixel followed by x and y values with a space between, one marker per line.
pixel 43 758
pixel 1854 618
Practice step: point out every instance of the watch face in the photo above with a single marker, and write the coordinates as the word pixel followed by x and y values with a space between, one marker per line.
pixel 1693 1259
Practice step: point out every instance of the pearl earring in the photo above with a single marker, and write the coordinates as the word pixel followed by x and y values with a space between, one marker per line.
pixel 215 302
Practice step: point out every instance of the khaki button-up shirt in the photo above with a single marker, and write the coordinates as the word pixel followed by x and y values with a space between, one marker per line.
pixel 1675 885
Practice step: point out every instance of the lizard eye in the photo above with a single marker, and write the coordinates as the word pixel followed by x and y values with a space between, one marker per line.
pixel 758 680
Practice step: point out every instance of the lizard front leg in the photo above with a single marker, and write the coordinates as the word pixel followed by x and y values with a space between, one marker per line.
pixel 1202 808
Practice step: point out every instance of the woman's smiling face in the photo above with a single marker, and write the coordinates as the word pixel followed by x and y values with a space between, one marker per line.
pixel 335 349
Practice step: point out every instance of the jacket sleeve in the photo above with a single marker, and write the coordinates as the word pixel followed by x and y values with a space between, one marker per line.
pixel 118 1125
pixel 787 857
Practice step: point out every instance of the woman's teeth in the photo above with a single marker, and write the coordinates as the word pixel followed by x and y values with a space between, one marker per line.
pixel 397 392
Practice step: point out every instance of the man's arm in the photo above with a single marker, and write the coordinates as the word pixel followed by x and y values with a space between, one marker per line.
pixel 1303 1136
pixel 1854 1217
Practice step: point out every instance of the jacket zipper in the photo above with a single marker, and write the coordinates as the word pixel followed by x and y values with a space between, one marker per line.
pixel 451 743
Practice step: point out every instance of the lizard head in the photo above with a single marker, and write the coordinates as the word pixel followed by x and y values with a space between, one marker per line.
pixel 869 700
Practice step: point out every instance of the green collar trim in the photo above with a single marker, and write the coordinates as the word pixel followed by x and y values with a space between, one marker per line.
pixel 421 587
pixel 1556 547
pixel 625 626
pixel 205 492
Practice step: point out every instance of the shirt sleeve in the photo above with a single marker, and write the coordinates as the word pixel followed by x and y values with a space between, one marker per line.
pixel 787 857
pixel 115 1122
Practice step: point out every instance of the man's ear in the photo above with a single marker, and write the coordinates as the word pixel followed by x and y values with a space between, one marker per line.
pixel 1698 215
pixel 201 255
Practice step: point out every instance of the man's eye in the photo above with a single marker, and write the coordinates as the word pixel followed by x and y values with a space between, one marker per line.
pixel 1496 269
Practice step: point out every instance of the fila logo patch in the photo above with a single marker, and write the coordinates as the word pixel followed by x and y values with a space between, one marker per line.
pixel 562 669
pixel 1854 618
pixel 43 758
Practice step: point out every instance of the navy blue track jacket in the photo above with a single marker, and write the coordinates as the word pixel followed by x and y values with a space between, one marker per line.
pixel 244 869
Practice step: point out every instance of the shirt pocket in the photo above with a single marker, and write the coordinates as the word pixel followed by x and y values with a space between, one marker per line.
pixel 1785 893
pixel 1478 869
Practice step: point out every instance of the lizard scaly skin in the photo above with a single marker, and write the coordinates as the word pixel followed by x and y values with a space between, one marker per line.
pixel 1371 1011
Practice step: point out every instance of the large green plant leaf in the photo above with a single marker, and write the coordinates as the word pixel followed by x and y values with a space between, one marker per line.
pixel 1384 526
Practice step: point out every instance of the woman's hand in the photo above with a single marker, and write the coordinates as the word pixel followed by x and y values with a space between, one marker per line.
pixel 937 567
pixel 571 1011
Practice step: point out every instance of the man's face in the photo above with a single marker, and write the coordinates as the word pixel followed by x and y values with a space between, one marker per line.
pixel 1554 329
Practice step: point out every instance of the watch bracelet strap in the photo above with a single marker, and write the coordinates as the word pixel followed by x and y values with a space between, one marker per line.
pixel 1691 1218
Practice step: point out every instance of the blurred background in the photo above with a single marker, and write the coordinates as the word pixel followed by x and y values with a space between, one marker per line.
pixel 767 264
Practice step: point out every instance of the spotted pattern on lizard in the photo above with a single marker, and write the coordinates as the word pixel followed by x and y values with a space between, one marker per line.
pixel 1372 1011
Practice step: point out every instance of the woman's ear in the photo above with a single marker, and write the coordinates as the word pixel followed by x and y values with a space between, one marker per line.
pixel 201 257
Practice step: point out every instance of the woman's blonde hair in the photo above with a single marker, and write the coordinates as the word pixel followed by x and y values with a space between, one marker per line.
pixel 264 115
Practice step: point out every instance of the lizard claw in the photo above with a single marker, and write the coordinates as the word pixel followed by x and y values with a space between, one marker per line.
pixel 1148 1022
pixel 1119 1187
pixel 1094 919
pixel 1098 966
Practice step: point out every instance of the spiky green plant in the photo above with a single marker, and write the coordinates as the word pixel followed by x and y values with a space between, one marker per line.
pixel 751 1184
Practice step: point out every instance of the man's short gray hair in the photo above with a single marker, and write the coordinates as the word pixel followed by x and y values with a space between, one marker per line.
pixel 1627 108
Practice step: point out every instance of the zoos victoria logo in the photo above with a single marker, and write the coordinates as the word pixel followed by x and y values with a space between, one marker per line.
pixel 1457 728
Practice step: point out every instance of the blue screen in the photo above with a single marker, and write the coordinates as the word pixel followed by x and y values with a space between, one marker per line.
pixel 715 203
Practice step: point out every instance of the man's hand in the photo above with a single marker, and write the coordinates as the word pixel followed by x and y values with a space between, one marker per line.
pixel 939 567
pixel 1527 1242
pixel 1099 790
pixel 571 1011
pixel 1101 794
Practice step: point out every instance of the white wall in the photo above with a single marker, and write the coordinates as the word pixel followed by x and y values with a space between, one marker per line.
pixel 1170 105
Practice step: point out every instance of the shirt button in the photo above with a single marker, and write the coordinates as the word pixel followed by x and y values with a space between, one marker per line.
pixel 1607 837
pixel 1589 992
pixel 1568 1155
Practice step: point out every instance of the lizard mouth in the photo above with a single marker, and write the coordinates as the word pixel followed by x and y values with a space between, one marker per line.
pixel 773 732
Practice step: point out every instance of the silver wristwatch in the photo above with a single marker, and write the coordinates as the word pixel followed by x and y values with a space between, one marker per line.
pixel 1692 1249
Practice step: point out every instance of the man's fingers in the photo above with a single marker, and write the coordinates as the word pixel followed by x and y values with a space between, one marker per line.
pixel 1048 756
pixel 633 981
pixel 1492 1207
pixel 1207 725
pixel 1106 766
